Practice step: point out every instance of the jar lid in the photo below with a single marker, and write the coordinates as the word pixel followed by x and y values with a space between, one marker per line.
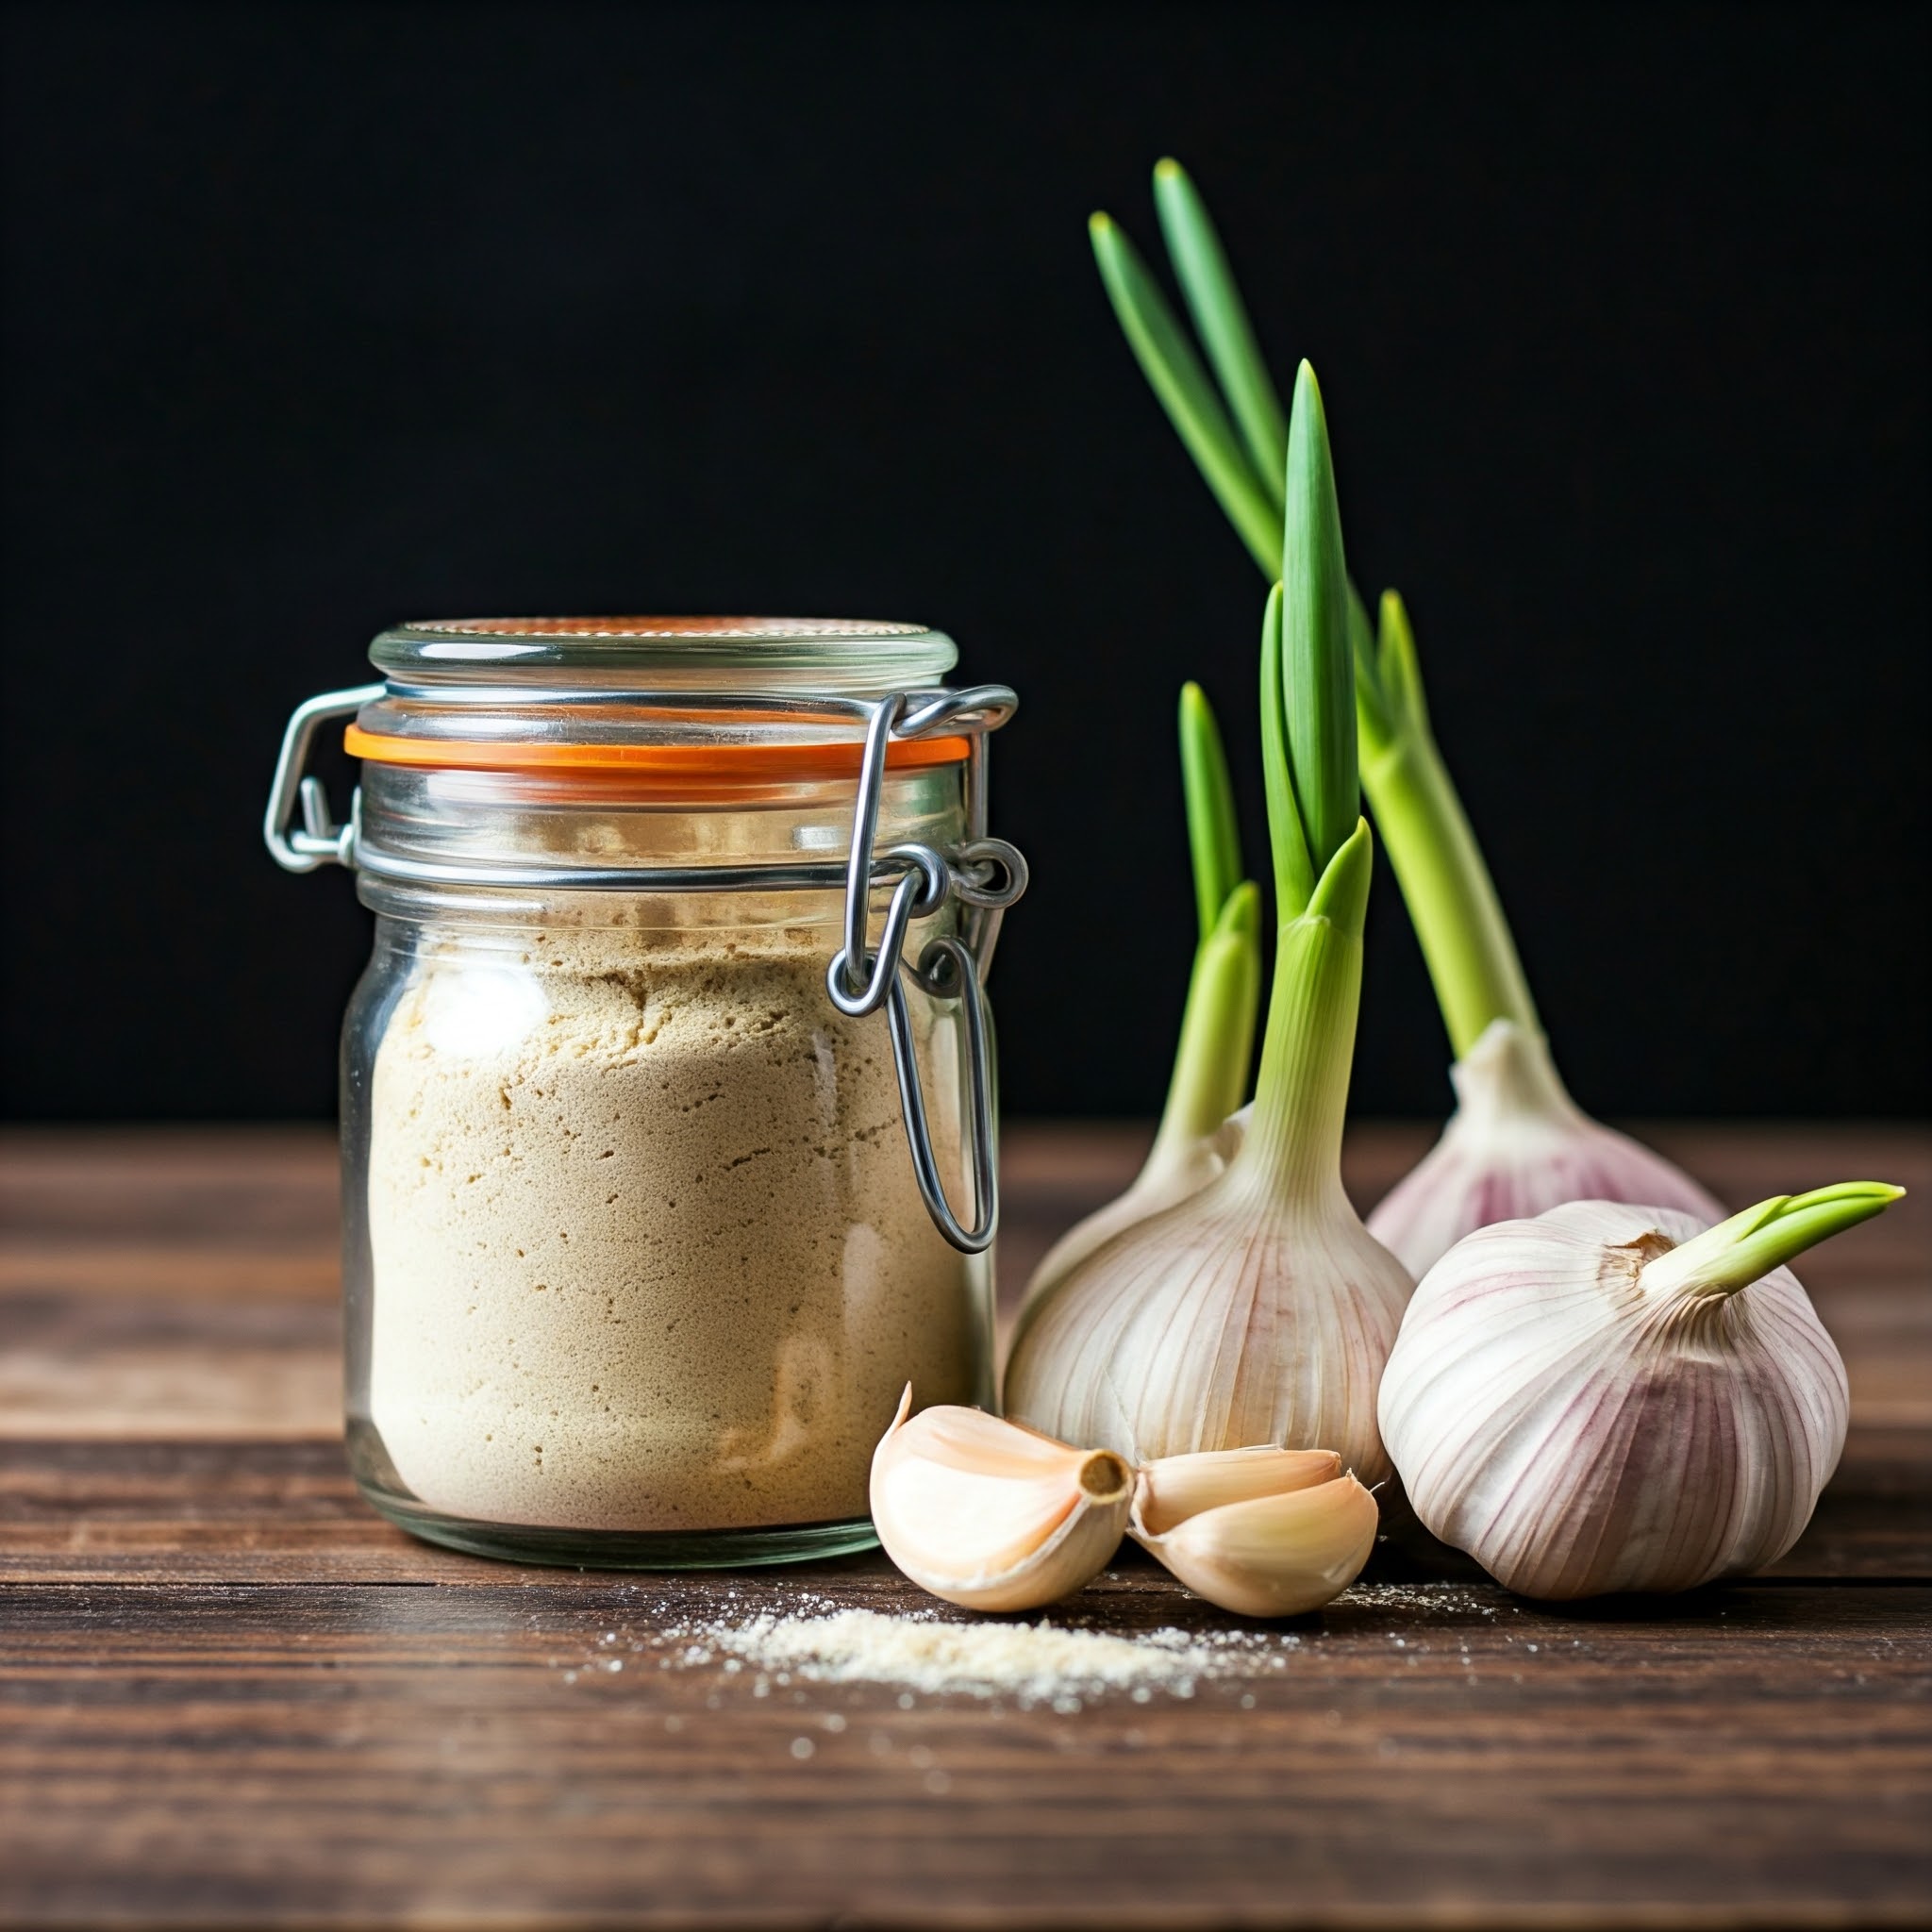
pixel 697 707
pixel 845 657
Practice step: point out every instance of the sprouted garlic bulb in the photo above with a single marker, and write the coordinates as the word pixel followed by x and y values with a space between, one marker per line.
pixel 1249 1311
pixel 990 1515
pixel 1516 1145
pixel 1259 1309
pixel 1615 1398
pixel 1261 1532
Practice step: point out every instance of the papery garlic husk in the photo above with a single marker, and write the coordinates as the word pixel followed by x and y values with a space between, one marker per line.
pixel 1516 1145
pixel 1230 1318
pixel 991 1515
pixel 1260 1309
pixel 1171 1175
pixel 1292 1534
pixel 1193 1144
pixel 1581 1425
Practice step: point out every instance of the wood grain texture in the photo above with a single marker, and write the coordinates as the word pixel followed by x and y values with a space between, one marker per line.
pixel 229 1695
pixel 365 1755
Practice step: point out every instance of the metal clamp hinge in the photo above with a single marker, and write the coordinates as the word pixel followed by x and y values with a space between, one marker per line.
pixel 987 875
pixel 320 841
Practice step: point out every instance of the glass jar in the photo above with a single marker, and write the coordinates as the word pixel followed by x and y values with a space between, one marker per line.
pixel 667 1095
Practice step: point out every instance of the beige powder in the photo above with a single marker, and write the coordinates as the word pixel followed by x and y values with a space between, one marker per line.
pixel 648 1251
pixel 930 1653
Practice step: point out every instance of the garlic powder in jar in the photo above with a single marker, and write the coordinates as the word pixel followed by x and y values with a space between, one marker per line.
pixel 658 1187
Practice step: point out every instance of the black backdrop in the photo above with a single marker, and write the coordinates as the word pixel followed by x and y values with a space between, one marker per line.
pixel 317 317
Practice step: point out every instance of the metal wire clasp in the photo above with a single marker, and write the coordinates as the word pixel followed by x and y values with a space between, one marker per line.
pixel 987 875
pixel 320 841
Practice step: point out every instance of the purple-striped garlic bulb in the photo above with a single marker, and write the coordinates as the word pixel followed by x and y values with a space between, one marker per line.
pixel 1616 1398
pixel 1517 1144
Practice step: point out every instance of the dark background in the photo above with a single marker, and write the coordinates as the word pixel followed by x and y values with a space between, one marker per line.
pixel 321 317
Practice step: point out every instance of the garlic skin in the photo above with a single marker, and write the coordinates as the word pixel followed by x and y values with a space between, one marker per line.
pixel 1516 1145
pixel 988 1514
pixel 1232 1318
pixel 1580 1428
pixel 1181 1168
pixel 1193 1144
pixel 1278 1552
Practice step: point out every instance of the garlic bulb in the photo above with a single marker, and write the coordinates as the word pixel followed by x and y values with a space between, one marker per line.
pixel 1244 1314
pixel 1604 1398
pixel 1259 1309
pixel 1261 1532
pixel 1516 1145
pixel 990 1515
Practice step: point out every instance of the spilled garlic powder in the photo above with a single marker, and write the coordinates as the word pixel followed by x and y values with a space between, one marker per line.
pixel 1030 1663
pixel 648 1251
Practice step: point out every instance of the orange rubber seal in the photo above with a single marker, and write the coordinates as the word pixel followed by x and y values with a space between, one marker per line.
pixel 748 763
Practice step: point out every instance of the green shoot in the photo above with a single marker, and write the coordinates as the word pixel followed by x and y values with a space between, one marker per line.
pixel 1316 659
pixel 1452 902
pixel 1174 371
pixel 1214 839
pixel 1748 1246
pixel 1373 722
pixel 1221 320
pixel 1401 675
pixel 1294 870
pixel 1307 673
pixel 1217 1040
pixel 1322 854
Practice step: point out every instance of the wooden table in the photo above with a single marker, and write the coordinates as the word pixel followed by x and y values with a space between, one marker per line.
pixel 229 1695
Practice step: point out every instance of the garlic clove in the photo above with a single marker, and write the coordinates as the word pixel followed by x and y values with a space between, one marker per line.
pixel 993 1515
pixel 1516 1147
pixel 1177 1487
pixel 1271 1555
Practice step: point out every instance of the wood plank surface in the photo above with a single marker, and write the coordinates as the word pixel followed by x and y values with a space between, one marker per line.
pixel 229 1695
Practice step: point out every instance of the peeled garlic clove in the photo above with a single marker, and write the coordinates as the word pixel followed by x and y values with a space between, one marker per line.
pixel 1176 1487
pixel 1609 1398
pixel 1517 1145
pixel 990 1515
pixel 1272 1556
